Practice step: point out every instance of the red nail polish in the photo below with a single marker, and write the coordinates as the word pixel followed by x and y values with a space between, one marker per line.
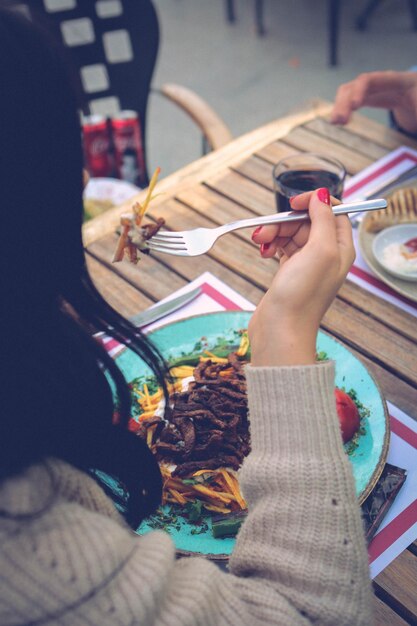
pixel 323 195
pixel 256 232
pixel 264 247
pixel 291 200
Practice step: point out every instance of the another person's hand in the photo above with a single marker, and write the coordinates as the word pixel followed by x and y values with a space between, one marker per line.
pixel 395 91
pixel 314 260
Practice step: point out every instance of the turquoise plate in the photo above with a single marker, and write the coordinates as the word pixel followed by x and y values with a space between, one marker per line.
pixel 368 457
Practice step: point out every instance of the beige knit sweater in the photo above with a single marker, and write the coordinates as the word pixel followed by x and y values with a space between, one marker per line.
pixel 300 557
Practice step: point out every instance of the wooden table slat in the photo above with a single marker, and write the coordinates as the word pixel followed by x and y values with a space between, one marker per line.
pixel 258 170
pixel 148 275
pixel 216 207
pixel 382 135
pixel 307 141
pixel 346 138
pixel 395 352
pixel 178 267
pixel 383 311
pixel 275 151
pixel 385 616
pixel 398 587
pixel 119 294
pixel 246 192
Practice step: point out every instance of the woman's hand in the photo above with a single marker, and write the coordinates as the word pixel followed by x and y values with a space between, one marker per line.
pixel 396 91
pixel 314 260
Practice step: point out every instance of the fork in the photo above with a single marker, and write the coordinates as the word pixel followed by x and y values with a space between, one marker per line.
pixel 200 240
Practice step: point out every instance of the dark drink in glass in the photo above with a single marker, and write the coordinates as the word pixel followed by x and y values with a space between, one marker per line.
pixel 306 172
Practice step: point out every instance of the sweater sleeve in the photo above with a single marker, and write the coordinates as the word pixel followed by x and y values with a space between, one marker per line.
pixel 300 557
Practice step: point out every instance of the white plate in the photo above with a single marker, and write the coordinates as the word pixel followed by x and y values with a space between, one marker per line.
pixel 394 234
pixel 110 189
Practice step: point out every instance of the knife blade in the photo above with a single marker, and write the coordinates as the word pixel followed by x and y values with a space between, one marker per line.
pixel 161 310
pixel 408 175
pixel 402 178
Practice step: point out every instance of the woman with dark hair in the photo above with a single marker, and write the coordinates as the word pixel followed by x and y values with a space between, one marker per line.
pixel 67 556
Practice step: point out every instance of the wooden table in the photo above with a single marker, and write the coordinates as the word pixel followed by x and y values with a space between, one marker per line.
pixel 236 182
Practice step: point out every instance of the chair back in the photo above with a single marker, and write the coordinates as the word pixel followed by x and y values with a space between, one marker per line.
pixel 112 45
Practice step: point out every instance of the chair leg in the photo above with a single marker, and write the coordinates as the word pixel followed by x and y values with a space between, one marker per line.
pixel 259 17
pixel 362 19
pixel 333 17
pixel 413 10
pixel 230 11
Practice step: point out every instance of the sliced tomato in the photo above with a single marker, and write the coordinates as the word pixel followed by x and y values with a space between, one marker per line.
pixel 348 413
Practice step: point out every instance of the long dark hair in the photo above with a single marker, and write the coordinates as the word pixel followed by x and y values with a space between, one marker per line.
pixel 56 400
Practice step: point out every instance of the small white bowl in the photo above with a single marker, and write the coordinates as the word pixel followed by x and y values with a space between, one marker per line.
pixel 394 235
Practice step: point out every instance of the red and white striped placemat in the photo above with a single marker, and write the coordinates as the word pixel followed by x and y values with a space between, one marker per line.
pixel 399 528
pixel 367 182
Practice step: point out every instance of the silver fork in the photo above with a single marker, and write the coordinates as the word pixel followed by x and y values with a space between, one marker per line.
pixel 200 240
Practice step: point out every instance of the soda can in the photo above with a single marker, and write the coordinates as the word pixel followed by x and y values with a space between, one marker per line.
pixel 96 140
pixel 128 149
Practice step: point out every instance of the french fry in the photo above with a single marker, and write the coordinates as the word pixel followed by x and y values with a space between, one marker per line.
pixel 141 209
pixel 213 357
pixel 121 244
pixel 177 496
pixel 212 494
pixel 244 345
pixel 127 222
pixel 215 508
pixel 146 415
pixel 132 252
pixel 234 487
pixel 204 471
pixel 182 371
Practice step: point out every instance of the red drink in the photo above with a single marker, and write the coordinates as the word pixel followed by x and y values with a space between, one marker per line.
pixel 305 172
pixel 98 159
pixel 128 148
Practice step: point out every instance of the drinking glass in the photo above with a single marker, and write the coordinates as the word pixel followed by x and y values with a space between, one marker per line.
pixel 306 172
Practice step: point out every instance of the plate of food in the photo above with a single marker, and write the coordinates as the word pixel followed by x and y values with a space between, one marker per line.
pixel 395 248
pixel 375 228
pixel 101 194
pixel 202 440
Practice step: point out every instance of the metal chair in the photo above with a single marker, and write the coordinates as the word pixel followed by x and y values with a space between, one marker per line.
pixel 362 19
pixel 113 46
pixel 333 17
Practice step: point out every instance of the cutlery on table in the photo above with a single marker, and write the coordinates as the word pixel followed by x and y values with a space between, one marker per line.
pixel 402 178
pixel 406 176
pixel 200 240
pixel 164 308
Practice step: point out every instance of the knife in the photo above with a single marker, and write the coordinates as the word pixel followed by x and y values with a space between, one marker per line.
pixel 409 174
pixel 161 310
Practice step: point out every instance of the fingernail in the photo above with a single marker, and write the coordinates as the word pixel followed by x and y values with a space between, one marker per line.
pixel 323 195
pixel 264 247
pixel 291 200
pixel 256 232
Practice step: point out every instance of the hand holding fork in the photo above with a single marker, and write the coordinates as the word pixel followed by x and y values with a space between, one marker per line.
pixel 200 240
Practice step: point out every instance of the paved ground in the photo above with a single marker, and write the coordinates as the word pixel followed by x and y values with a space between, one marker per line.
pixel 251 80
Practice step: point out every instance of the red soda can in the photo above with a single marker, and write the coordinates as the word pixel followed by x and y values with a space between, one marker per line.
pixel 96 140
pixel 128 149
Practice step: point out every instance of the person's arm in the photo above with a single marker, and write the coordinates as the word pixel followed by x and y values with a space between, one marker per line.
pixel 394 91
pixel 300 557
